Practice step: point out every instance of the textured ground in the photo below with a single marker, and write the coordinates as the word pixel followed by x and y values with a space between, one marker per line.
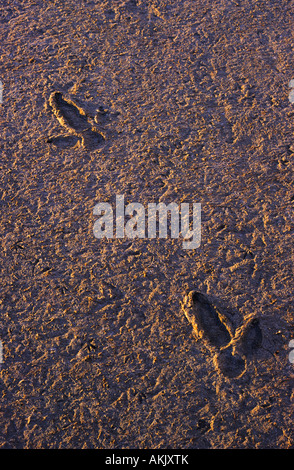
pixel 97 350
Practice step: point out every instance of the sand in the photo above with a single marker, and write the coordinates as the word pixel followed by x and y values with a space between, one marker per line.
pixel 188 102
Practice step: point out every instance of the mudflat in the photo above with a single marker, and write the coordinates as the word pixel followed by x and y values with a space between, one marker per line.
pixel 139 343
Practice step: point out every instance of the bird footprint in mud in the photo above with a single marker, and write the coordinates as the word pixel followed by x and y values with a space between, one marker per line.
pixel 231 351
pixel 75 121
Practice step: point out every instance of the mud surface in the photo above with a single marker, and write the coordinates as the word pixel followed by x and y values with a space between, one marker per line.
pixel 184 101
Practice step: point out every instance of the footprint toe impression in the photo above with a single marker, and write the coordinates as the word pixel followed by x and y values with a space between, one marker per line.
pixel 63 141
pixel 248 338
pixel 205 320
pixel 74 119
pixel 68 114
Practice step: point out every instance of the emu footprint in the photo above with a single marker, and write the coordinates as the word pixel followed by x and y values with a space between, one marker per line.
pixel 205 320
pixel 74 120
pixel 63 141
pixel 230 352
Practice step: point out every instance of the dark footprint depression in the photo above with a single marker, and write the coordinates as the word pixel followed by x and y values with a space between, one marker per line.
pixel 206 321
pixel 74 119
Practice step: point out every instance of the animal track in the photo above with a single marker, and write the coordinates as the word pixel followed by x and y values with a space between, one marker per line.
pixel 63 141
pixel 74 120
pixel 231 351
pixel 248 338
pixel 229 363
pixel 205 321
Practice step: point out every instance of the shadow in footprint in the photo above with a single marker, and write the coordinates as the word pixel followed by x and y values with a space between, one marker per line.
pixel 232 361
pixel 231 353
pixel 205 320
pixel 63 141
pixel 91 138
pixel 248 338
pixel 74 119
pixel 68 113
pixel 230 364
